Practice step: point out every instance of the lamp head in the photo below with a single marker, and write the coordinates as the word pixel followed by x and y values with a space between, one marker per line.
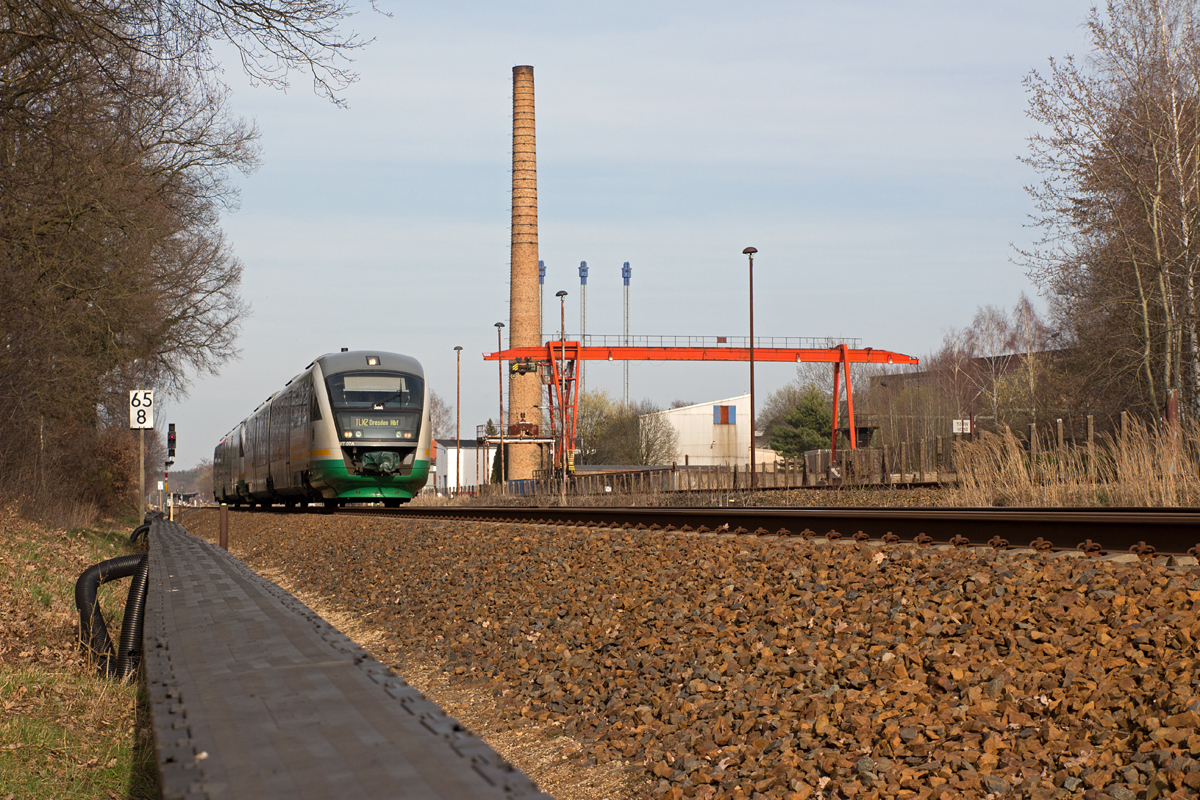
pixel 458 347
pixel 499 324
pixel 749 251
pixel 560 293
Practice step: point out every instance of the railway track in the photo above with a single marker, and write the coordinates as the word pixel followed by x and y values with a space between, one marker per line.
pixel 1143 531
pixel 688 657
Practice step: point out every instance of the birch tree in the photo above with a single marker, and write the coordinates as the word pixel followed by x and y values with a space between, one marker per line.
pixel 1119 197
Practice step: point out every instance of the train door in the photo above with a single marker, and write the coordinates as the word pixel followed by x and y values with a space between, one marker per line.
pixel 238 461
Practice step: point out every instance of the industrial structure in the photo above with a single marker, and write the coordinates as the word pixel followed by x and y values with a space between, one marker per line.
pixel 556 363
pixel 524 324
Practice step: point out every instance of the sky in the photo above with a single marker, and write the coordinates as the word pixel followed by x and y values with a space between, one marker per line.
pixel 868 150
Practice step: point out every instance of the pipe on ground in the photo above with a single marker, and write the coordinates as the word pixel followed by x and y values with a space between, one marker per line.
pixel 129 651
pixel 93 633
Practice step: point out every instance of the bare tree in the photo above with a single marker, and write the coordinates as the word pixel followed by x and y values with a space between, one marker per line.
pixel 778 405
pixel 110 251
pixel 115 153
pixel 657 440
pixel 1119 198
pixel 51 46
pixel 610 432
pixel 595 408
pixel 441 417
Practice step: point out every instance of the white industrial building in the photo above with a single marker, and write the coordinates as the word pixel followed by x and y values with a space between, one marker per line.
pixel 715 433
pixel 476 464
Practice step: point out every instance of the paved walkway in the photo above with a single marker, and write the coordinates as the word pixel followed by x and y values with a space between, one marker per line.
pixel 255 696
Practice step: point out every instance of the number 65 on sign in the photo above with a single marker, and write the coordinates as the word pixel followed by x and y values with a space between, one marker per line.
pixel 141 408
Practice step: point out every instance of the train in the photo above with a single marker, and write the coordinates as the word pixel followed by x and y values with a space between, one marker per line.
pixel 352 427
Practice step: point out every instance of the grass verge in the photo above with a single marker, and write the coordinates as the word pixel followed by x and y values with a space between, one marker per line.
pixel 65 732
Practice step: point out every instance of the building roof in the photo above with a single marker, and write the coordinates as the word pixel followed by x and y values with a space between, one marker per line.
pixel 729 401
pixel 465 444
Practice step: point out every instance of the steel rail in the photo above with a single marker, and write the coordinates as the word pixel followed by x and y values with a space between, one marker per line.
pixel 1145 531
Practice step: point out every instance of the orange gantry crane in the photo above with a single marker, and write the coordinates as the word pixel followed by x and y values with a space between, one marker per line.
pixel 557 363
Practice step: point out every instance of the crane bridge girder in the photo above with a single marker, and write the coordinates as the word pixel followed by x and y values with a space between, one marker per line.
pixel 557 363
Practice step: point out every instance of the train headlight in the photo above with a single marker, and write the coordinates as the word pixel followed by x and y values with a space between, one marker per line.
pixel 347 434
pixel 358 434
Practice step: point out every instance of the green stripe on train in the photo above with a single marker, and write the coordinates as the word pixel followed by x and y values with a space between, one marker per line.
pixel 332 473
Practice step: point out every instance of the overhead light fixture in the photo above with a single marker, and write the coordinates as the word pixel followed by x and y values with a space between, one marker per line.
pixel 372 361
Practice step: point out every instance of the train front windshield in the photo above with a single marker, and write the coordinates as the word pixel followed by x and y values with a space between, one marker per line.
pixel 376 405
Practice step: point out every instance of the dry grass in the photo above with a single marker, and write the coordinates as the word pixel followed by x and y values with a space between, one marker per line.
pixel 49 508
pixel 64 732
pixel 1151 467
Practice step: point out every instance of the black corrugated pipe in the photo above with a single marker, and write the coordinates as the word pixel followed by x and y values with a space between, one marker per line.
pixel 93 633
pixel 143 530
pixel 129 651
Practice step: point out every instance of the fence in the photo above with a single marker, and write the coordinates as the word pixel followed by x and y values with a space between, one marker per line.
pixel 924 462
pixel 1051 465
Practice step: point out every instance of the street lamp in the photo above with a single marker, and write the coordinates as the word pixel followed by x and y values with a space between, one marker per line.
pixel 749 252
pixel 562 365
pixel 500 348
pixel 458 423
pixel 547 413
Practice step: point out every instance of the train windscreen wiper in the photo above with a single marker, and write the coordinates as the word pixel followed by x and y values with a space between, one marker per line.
pixel 378 406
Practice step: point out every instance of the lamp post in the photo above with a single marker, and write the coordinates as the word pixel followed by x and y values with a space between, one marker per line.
pixel 562 405
pixel 749 252
pixel 458 423
pixel 543 412
pixel 499 348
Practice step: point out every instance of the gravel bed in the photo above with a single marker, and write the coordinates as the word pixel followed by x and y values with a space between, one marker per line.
pixel 743 667
pixel 849 496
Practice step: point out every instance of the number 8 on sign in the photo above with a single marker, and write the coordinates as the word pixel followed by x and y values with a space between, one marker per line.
pixel 141 408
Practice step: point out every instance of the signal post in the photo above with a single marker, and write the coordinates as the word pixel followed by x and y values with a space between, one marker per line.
pixel 141 416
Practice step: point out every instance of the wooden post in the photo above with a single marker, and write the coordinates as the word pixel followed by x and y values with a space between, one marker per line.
pixel 1033 448
pixel 1059 427
pixel 1091 450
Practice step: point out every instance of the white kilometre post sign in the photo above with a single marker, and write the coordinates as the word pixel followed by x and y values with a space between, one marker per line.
pixel 141 416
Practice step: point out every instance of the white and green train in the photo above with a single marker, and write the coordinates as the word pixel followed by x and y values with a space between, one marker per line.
pixel 352 427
